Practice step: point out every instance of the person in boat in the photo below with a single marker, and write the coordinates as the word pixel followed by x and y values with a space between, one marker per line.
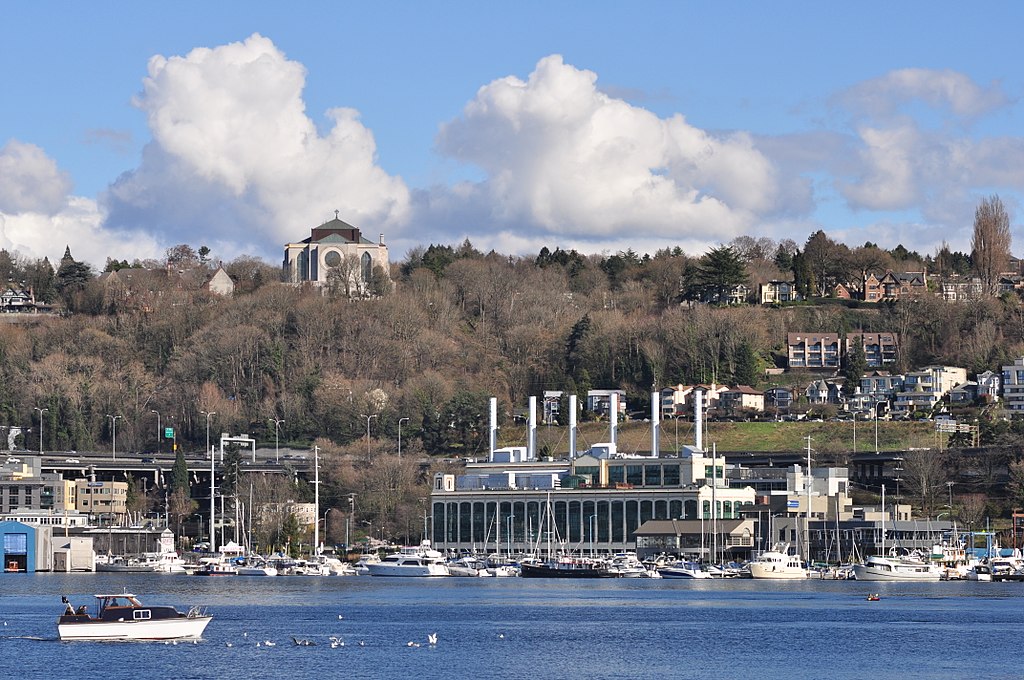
pixel 69 610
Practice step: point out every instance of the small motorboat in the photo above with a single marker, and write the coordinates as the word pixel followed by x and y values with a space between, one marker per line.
pixel 124 617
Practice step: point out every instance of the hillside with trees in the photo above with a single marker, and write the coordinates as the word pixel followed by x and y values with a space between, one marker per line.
pixel 457 327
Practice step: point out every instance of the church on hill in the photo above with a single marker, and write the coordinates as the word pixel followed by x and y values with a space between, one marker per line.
pixel 335 253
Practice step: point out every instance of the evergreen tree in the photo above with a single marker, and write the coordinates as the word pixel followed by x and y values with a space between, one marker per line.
pixel 783 259
pixel 179 474
pixel 854 365
pixel 573 354
pixel 719 272
pixel 748 365
pixel 803 278
pixel 71 278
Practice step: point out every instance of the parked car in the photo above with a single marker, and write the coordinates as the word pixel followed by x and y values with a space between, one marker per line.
pixel 72 460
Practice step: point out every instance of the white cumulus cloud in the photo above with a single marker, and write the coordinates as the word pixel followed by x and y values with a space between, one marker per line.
pixel 39 217
pixel 564 160
pixel 30 181
pixel 235 155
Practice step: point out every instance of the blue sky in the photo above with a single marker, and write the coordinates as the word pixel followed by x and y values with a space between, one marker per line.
pixel 126 128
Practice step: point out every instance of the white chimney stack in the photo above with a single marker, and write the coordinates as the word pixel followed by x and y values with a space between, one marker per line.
pixel 572 426
pixel 531 434
pixel 494 426
pixel 655 424
pixel 613 418
pixel 698 418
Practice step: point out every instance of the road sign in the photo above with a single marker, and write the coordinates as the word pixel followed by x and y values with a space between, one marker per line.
pixel 168 433
pixel 793 504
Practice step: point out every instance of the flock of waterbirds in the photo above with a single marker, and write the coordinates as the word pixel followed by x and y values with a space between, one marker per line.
pixel 333 641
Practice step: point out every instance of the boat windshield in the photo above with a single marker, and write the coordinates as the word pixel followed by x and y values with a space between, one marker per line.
pixel 123 600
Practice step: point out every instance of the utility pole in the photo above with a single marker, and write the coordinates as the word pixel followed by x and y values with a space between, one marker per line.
pixel 41 412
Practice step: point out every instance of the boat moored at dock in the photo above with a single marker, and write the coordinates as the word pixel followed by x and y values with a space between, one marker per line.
pixel 419 560
pixel 778 564
pixel 879 568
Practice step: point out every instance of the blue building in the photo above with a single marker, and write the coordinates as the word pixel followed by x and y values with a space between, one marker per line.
pixel 18 547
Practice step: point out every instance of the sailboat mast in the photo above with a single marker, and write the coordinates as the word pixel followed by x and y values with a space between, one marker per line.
pixel 547 510
pixel 714 503
pixel 807 512
pixel 883 520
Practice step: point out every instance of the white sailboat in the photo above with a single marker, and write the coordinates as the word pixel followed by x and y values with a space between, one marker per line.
pixel 889 568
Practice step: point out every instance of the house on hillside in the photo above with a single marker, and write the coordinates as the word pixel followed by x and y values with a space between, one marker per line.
pixel 1013 385
pixel 879 348
pixel 780 398
pixel 678 399
pixel 777 292
pixel 990 386
pixel 825 391
pixel 220 283
pixel 813 350
pixel 742 397
pixel 600 402
pixel 17 300
pixel 923 389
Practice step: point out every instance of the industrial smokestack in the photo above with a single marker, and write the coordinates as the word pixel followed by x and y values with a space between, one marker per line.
pixel 531 434
pixel 493 433
pixel 655 424
pixel 698 418
pixel 613 419
pixel 572 426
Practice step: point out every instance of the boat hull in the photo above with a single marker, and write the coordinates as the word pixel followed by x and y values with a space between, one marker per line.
pixel 159 629
pixel 256 571
pixel 770 571
pixel 863 572
pixel 545 571
pixel 381 569
pixel 670 572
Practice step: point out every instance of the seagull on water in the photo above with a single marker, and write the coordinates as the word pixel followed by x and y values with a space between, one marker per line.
pixel 412 644
pixel 228 644
pixel 501 636
pixel 362 643
pixel 432 639
pixel 268 643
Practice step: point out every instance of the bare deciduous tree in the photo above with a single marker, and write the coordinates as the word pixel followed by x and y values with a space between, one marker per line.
pixel 990 245
pixel 925 476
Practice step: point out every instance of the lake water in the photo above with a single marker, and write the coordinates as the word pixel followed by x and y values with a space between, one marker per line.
pixel 529 628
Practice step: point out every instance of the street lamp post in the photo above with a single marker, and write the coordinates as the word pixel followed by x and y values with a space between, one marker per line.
pixel 208 415
pixel 113 436
pixel 368 419
pixel 877 404
pixel 400 437
pixel 277 438
pixel 159 432
pixel 41 412
pixel 348 521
